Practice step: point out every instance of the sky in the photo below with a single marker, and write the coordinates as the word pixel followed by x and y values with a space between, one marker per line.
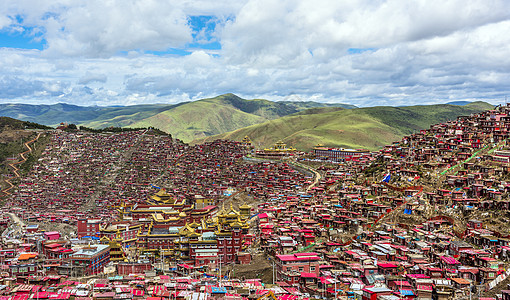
pixel 366 52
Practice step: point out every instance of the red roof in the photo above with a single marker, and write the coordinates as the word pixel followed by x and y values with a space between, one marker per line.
pixel 295 257
pixel 386 265
pixel 450 260
pixel 185 266
pixel 308 275
pixel 51 233
pixel 306 254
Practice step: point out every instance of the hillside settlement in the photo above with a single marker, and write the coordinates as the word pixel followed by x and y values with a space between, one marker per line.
pixel 137 215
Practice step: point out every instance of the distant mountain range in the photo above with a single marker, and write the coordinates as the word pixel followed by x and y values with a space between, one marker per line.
pixel 459 102
pixel 186 121
pixel 368 128
pixel 301 124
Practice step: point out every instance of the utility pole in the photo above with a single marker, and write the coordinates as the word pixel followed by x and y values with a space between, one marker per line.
pixel 274 275
pixel 334 293
pixel 161 259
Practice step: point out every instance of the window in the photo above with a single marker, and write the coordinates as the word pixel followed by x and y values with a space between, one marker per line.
pixel 301 269
pixel 312 268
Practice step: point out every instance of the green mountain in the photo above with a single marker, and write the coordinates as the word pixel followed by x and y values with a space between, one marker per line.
pixel 202 118
pixel 186 121
pixel 368 128
pixel 301 105
pixel 57 113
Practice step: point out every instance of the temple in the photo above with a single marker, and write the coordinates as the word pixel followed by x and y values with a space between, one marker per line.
pixel 247 142
pixel 278 150
pixel 338 154
pixel 164 228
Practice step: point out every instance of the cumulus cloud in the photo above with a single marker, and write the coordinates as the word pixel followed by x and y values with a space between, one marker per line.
pixel 101 28
pixel 89 77
pixel 388 52
pixel 13 87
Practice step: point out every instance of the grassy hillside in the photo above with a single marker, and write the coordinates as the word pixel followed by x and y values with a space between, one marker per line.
pixel 368 128
pixel 185 121
pixel 202 118
pixel 103 116
pixel 412 118
pixel 318 110
pixel 13 133
pixel 301 105
pixel 199 119
pixel 260 107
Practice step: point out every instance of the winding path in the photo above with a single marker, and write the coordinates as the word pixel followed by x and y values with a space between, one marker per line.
pixel 317 175
pixel 16 169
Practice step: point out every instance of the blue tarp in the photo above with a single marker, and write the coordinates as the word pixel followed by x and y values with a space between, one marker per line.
pixel 387 178
pixel 218 290
pixel 406 292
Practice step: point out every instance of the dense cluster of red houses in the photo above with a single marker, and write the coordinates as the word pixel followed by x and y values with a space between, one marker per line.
pixel 144 205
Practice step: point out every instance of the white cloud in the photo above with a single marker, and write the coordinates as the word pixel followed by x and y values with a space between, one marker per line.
pixel 90 77
pixel 364 52
pixel 102 28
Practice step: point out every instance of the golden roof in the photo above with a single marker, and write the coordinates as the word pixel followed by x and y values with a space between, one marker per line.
pixel 280 147
pixel 245 206
pixel 158 217
pixel 163 196
pixel 232 211
pixel 222 212
pixel 236 224
pixel 104 239
pixel 194 225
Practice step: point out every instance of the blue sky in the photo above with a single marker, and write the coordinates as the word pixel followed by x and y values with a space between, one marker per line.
pixel 16 36
pixel 389 52
pixel 19 40
pixel 203 33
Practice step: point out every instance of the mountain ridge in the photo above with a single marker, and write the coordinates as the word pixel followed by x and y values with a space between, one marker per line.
pixel 227 115
pixel 368 128
pixel 186 121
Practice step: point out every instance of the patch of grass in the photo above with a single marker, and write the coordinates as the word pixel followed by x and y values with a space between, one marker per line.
pixel 186 121
pixel 369 128
pixel 37 149
pixel 194 120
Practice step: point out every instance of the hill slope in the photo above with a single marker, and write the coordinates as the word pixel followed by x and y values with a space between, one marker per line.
pixel 221 114
pixel 57 113
pixel 185 121
pixel 196 120
pixel 368 128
